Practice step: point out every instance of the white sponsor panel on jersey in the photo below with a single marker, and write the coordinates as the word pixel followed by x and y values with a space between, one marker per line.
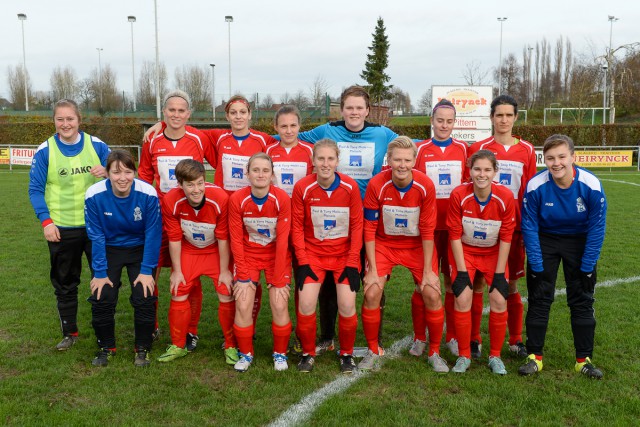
pixel 446 175
pixel 480 232
pixel 167 171
pixel 288 173
pixel 510 175
pixel 357 159
pixel 400 220
pixel 198 234
pixel 234 170
pixel 261 230
pixel 330 222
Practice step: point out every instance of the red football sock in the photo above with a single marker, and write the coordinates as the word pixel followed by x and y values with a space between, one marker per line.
pixel 226 315
pixel 371 327
pixel 418 316
pixel 281 336
pixel 257 304
pixel 463 332
pixel 497 331
pixel 195 298
pixel 179 315
pixel 515 308
pixel 347 333
pixel 476 316
pixel 435 323
pixel 581 359
pixel 538 356
pixel 449 303
pixel 244 336
pixel 306 330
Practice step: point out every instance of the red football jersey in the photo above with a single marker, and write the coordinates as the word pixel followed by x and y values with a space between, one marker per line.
pixel 290 165
pixel 232 156
pixel 516 166
pixel 400 218
pixel 160 156
pixel 260 231
pixel 199 230
pixel 327 222
pixel 481 227
pixel 447 168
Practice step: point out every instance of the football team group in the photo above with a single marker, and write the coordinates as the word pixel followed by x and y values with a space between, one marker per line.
pixel 326 211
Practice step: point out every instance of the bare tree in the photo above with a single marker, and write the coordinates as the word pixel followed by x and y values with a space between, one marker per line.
pixel 196 81
pixel 473 74
pixel 64 83
pixel 300 100
pixel 107 96
pixel 266 102
pixel 400 101
pixel 585 81
pixel 16 81
pixel 424 104
pixel 557 72
pixel 568 64
pixel 318 91
pixel 146 87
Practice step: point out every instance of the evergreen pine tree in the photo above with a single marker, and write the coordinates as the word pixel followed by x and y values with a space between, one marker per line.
pixel 377 62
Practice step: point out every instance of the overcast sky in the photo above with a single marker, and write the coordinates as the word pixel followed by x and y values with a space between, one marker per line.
pixel 282 46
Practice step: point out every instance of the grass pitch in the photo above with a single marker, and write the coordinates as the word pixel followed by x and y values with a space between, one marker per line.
pixel 40 386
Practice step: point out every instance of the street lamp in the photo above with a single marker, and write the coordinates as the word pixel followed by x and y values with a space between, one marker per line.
pixel 155 8
pixel 604 95
pixel 99 49
pixel 501 20
pixel 229 19
pixel 22 17
pixel 213 90
pixel 132 19
pixel 612 19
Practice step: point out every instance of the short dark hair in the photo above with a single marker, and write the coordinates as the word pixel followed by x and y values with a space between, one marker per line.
pixel 484 154
pixel 286 109
pixel 558 139
pixel 123 157
pixel 354 90
pixel 504 100
pixel 443 103
pixel 189 170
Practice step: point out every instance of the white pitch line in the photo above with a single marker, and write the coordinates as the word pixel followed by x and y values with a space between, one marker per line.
pixel 303 410
pixel 621 182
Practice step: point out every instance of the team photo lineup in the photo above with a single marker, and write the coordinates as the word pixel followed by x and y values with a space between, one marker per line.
pixel 313 218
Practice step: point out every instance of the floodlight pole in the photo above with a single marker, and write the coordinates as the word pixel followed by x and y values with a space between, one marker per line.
pixel 23 17
pixel 501 20
pixel 132 19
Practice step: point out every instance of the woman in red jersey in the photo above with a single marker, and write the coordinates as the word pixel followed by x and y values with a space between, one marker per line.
pixel 259 223
pixel 481 219
pixel 327 236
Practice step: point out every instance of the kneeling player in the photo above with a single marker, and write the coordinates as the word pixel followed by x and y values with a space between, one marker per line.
pixel 259 224
pixel 481 220
pixel 195 218
pixel 400 218
pixel 327 235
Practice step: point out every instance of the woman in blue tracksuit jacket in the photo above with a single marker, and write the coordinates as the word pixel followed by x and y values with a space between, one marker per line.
pixel 563 219
pixel 123 220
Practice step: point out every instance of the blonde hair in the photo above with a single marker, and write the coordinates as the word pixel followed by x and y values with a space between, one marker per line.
pixel 402 142
pixel 326 142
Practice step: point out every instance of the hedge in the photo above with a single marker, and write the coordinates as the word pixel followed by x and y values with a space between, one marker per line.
pixel 129 132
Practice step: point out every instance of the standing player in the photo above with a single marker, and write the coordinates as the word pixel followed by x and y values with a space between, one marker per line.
pixel 259 224
pixel 400 218
pixel 160 155
pixel 481 219
pixel 517 162
pixel 125 228
pixel 563 219
pixel 363 147
pixel 291 157
pixel 327 236
pixel 195 218
pixel 444 160
pixel 63 167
